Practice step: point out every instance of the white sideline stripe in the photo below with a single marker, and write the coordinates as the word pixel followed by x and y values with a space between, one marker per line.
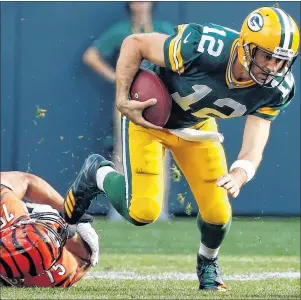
pixel 257 259
pixel 189 276
pixel 124 154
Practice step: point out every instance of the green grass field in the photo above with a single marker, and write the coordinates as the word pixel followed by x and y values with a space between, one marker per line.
pixel 158 262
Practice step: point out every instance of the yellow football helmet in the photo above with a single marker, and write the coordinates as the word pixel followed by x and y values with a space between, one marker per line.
pixel 273 31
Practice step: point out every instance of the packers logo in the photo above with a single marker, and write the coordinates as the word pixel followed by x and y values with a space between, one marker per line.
pixel 255 22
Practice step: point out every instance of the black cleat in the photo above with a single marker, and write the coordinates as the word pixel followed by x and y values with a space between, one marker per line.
pixel 209 274
pixel 84 189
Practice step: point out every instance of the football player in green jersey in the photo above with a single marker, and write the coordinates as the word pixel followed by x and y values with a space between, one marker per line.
pixel 211 72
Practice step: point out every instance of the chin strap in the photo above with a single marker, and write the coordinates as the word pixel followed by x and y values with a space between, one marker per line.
pixel 5 281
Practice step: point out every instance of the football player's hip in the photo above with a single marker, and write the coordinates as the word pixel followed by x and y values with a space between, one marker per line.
pixel 163 136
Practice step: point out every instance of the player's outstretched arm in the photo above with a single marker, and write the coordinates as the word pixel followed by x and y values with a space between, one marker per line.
pixel 32 188
pixel 256 134
pixel 135 48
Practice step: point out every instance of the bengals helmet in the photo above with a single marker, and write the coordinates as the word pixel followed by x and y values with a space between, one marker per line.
pixel 273 31
pixel 32 246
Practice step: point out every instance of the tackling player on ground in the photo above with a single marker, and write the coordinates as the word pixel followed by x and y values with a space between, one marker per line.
pixel 40 249
pixel 211 72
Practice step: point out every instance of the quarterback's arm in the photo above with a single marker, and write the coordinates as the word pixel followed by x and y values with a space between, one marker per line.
pixel 256 134
pixel 93 59
pixel 135 48
pixel 32 188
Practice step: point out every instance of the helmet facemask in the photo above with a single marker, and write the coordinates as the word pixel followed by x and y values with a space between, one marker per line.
pixel 55 226
pixel 268 45
pixel 250 51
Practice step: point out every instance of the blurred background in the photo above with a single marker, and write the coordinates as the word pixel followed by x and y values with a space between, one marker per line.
pixel 56 110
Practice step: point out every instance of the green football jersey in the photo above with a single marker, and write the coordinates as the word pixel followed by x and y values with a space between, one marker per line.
pixel 198 75
pixel 109 42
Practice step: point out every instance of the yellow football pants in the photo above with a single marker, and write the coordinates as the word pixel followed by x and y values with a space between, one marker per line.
pixel 200 162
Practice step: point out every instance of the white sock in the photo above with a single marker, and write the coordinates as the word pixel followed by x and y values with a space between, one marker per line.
pixel 208 252
pixel 101 174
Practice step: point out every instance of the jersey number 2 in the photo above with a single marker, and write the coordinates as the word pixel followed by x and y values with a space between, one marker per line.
pixel 211 49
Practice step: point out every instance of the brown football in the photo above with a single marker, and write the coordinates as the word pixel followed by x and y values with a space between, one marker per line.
pixel 147 85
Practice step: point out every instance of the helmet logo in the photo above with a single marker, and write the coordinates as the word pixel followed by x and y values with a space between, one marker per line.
pixel 255 22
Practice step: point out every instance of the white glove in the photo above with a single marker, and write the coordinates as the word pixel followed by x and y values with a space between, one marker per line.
pixel 89 235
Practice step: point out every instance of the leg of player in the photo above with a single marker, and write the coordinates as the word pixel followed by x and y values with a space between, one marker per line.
pixel 138 194
pixel 208 270
pixel 96 176
pixel 215 219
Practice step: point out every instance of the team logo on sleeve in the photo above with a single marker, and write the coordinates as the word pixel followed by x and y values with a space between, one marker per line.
pixel 255 22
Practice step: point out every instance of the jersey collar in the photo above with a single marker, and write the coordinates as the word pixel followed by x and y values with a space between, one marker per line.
pixel 231 81
pixel 143 29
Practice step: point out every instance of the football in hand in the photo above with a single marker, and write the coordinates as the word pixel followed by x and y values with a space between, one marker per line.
pixel 147 85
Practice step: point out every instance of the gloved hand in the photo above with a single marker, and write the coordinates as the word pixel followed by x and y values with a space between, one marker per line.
pixel 89 235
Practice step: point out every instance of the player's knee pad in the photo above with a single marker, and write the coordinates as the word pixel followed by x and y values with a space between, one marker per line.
pixel 218 213
pixel 144 209
pixel 151 161
pixel 215 164
pixel 145 205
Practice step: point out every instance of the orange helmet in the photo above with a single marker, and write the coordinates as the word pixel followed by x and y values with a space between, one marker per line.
pixel 32 246
pixel 273 31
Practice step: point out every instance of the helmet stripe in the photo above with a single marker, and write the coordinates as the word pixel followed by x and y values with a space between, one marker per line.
pixel 19 249
pixel 41 235
pixel 292 32
pixel 281 26
pixel 286 29
pixel 24 229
